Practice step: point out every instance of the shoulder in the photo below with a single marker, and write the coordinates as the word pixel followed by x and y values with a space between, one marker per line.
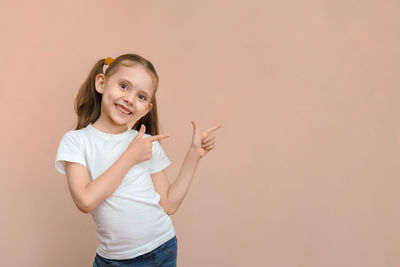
pixel 74 135
pixel 70 134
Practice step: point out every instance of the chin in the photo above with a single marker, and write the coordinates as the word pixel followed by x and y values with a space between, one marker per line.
pixel 124 121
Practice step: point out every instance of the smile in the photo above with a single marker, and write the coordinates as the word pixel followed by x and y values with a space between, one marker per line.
pixel 122 110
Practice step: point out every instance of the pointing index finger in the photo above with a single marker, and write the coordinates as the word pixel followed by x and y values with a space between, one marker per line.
pixel 209 130
pixel 158 137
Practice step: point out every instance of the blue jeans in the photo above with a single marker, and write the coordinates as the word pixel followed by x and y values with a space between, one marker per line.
pixel 162 256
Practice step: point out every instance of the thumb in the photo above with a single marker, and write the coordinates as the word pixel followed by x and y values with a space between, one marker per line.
pixel 141 132
pixel 195 127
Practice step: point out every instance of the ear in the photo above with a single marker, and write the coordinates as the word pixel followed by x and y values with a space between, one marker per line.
pixel 99 83
pixel 149 107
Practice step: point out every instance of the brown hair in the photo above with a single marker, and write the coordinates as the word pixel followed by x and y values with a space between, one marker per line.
pixel 88 101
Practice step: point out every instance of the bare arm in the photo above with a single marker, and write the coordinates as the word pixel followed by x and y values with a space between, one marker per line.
pixel 88 195
pixel 104 185
pixel 171 196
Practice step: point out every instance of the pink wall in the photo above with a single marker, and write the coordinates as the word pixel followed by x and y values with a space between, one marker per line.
pixel 305 171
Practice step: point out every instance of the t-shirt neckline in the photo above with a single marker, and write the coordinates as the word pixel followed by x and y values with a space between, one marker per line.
pixel 110 136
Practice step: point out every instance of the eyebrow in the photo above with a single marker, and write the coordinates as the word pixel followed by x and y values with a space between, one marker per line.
pixel 131 84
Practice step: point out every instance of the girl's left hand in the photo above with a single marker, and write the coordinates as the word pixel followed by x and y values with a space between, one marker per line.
pixel 204 141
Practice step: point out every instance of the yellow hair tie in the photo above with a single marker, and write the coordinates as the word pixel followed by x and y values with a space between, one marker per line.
pixel 108 60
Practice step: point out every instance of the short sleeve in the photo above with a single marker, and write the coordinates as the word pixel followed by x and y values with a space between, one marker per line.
pixel 70 149
pixel 159 159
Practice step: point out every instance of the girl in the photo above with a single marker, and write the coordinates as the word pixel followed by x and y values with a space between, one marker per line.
pixel 116 173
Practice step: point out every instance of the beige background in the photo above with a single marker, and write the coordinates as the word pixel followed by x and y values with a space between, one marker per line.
pixel 305 171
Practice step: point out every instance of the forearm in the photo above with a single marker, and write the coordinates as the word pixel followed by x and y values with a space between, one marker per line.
pixel 179 188
pixel 104 185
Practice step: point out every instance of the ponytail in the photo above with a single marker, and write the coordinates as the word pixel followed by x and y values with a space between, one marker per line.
pixel 88 101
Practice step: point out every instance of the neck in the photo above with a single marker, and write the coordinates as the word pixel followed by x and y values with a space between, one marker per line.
pixel 109 126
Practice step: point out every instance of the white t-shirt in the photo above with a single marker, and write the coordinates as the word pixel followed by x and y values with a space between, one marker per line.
pixel 130 222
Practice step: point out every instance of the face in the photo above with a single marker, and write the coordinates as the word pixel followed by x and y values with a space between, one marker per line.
pixel 126 97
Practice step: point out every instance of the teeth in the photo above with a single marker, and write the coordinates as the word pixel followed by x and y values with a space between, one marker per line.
pixel 120 109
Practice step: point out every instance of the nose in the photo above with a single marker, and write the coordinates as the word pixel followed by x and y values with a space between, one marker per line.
pixel 128 99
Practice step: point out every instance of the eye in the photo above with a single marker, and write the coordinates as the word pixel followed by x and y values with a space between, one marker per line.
pixel 124 84
pixel 144 97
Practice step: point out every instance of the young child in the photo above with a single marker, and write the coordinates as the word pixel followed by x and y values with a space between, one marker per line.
pixel 116 173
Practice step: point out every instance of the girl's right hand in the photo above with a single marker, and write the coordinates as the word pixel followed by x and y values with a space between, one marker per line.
pixel 140 149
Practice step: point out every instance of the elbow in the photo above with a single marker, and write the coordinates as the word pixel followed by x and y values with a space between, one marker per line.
pixel 170 211
pixel 85 209
pixel 168 207
pixel 84 206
